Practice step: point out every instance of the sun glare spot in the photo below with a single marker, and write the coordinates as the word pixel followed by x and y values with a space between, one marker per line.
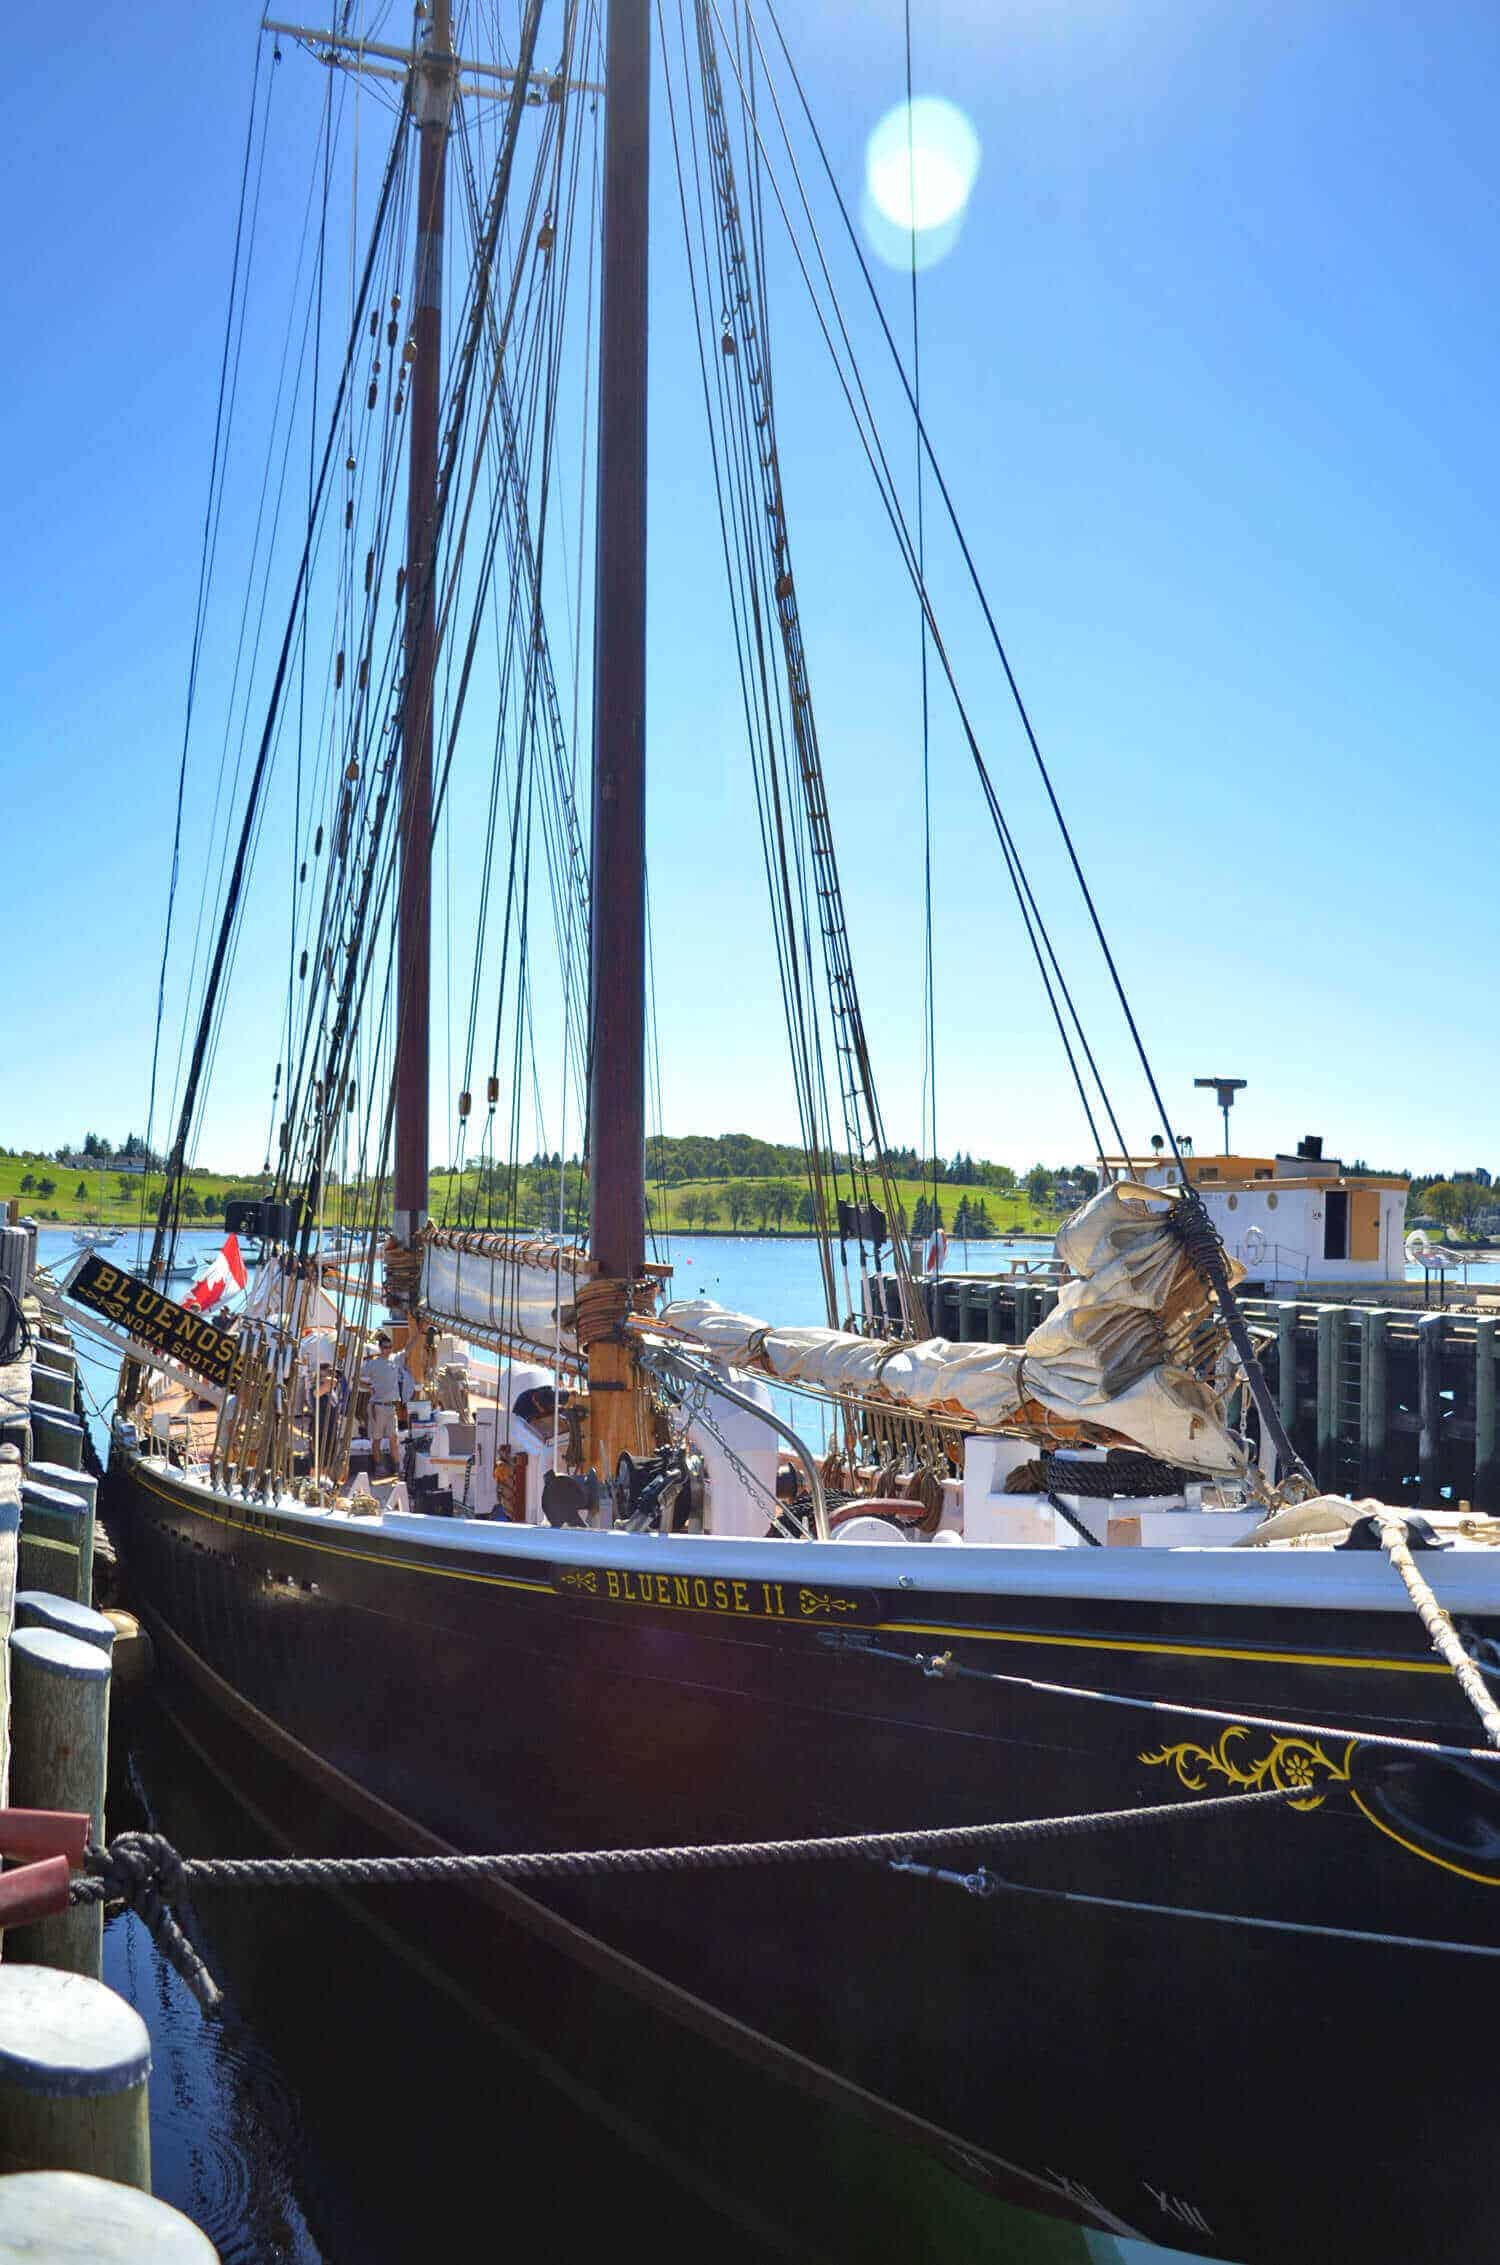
pixel 920 166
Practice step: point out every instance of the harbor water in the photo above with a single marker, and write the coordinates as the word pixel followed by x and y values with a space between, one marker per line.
pixel 350 2105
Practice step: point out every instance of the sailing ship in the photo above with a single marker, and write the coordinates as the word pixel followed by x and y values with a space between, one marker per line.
pixel 649 1570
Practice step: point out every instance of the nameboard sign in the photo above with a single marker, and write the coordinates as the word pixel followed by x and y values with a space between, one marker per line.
pixel 812 1604
pixel 190 1339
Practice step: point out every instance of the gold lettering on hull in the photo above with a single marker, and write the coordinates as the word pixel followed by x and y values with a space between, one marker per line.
pixel 722 1595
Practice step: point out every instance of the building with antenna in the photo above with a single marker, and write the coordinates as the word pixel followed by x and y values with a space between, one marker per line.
pixel 1295 1223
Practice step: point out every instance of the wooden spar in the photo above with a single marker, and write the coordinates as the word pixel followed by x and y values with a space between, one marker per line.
pixel 432 95
pixel 617 1126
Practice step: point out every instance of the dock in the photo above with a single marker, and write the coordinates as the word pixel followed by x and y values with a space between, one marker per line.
pixel 75 2058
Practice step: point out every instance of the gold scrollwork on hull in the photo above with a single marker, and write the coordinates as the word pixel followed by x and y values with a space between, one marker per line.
pixel 579 1578
pixel 1287 1765
pixel 811 1601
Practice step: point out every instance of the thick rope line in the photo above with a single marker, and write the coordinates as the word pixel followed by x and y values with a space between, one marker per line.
pixel 1441 1633
pixel 149 1859
pixel 145 1873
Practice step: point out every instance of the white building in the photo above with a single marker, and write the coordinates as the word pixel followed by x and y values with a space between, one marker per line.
pixel 1295 1222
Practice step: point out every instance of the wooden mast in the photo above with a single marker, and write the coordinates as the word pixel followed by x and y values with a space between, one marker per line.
pixel 617 1128
pixel 432 98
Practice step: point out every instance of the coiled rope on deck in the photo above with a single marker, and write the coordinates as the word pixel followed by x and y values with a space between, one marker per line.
pixel 143 1872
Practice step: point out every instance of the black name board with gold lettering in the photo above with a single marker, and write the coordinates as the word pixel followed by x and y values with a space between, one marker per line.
pixel 190 1339
pixel 811 1603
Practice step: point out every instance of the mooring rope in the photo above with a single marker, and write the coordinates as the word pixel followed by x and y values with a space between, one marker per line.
pixel 1441 1633
pixel 144 1873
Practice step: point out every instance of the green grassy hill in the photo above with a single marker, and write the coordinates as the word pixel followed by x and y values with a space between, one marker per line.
pixel 1010 1213
pixel 53 1191
pixel 111 1195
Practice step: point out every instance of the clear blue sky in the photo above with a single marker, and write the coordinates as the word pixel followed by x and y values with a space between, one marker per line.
pixel 1213 367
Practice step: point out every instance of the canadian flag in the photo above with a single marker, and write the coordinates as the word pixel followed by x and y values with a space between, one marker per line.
pixel 937 1251
pixel 226 1273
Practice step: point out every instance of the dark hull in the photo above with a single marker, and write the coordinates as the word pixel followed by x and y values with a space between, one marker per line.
pixel 1137 2057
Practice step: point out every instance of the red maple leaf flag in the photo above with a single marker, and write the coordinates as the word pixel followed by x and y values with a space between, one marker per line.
pixel 226 1273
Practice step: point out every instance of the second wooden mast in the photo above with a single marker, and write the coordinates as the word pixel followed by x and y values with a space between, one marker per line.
pixel 432 101
pixel 617 1121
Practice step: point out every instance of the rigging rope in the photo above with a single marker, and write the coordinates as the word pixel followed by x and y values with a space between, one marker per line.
pixel 172 1191
pixel 928 1117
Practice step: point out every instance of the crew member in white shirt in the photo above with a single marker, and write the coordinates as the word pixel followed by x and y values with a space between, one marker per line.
pixel 390 1381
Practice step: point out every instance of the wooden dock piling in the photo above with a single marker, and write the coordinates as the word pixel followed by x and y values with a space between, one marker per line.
pixel 1486 1462
pixel 75 2061
pixel 59 1744
pixel 52 1387
pixel 1430 1333
pixel 56 1437
pixel 1372 1402
pixel 51 1513
pixel 64 2217
pixel 1327 1444
pixel 37 1608
pixel 82 1487
pixel 47 1564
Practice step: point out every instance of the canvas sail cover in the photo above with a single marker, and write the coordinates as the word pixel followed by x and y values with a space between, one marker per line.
pixel 503 1286
pixel 1111 1356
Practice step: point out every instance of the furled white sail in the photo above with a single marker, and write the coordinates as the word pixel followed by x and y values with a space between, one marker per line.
pixel 1101 1358
pixel 507 1287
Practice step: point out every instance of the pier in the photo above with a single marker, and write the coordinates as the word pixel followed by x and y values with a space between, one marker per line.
pixel 75 2059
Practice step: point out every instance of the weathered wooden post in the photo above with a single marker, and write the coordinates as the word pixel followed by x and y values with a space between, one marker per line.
pixel 42 1563
pixel 84 1488
pixel 1286 1368
pixel 55 1513
pixel 52 1387
pixel 64 2217
pixel 56 1437
pixel 74 2065
pixel 37 1608
pixel 1372 1409
pixel 10 1534
pixel 1430 1333
pixel 1327 1402
pixel 59 1742
pixel 1486 1467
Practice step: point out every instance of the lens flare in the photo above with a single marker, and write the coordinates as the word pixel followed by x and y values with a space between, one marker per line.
pixel 921 162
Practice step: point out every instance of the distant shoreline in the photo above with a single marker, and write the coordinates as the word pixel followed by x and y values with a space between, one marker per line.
pixel 805 1234
pixel 744 1234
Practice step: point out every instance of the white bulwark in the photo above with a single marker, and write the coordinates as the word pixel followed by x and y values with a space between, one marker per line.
pixel 1295 1222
